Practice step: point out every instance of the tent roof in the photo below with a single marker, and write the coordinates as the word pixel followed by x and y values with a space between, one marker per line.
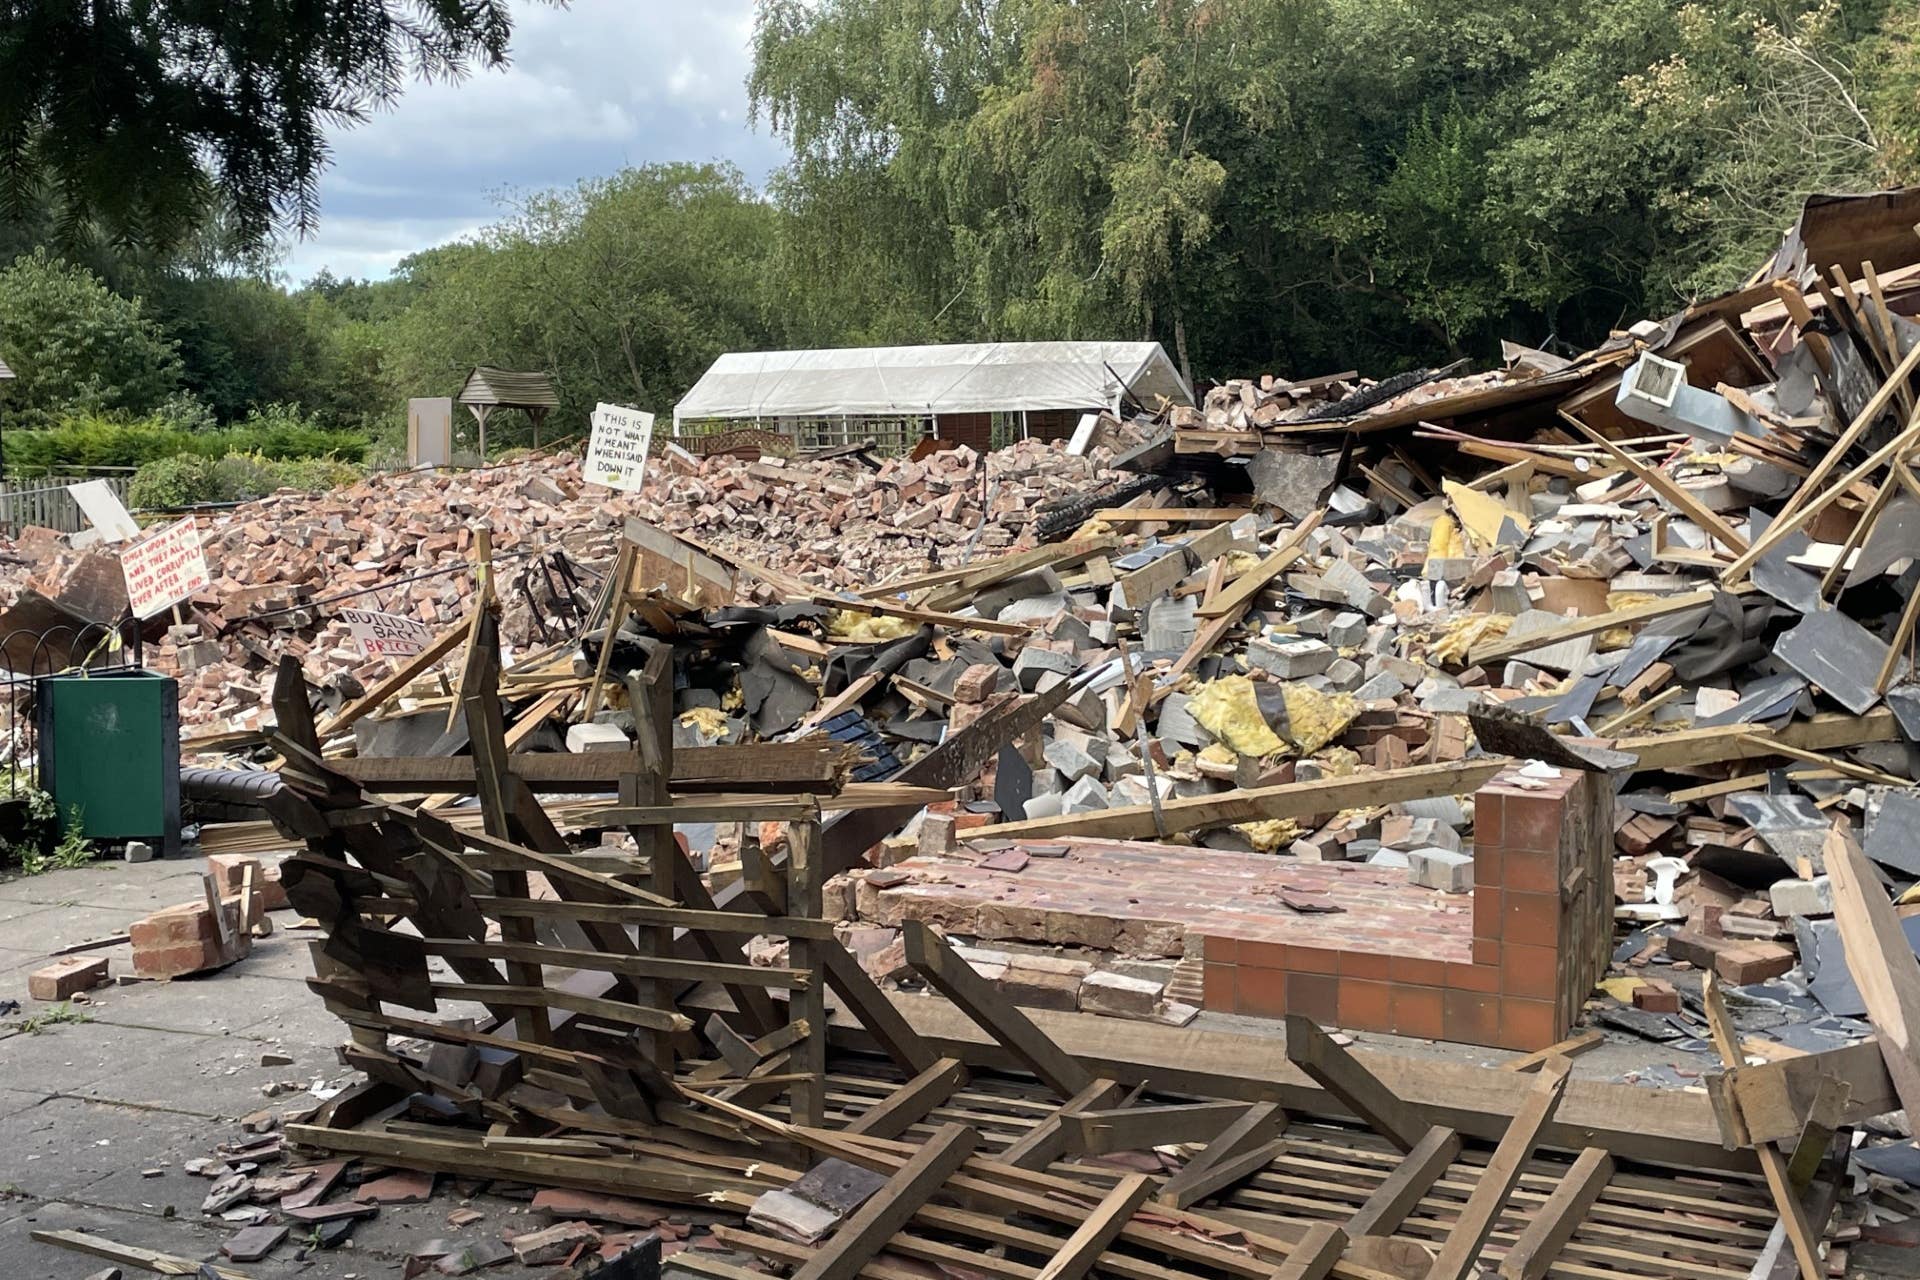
pixel 509 389
pixel 5 372
pixel 962 378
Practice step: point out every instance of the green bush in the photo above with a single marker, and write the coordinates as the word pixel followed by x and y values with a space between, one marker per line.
pixel 277 433
pixel 178 481
pixel 187 479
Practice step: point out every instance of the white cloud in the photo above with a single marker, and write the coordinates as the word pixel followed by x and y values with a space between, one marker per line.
pixel 591 88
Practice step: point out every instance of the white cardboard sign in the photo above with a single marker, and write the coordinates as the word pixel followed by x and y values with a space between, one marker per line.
pixel 104 511
pixel 617 449
pixel 164 568
pixel 386 635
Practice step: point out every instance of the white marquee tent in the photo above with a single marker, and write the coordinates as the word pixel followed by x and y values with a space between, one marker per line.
pixel 983 377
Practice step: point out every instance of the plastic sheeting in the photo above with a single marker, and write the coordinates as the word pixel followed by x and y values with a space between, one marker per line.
pixel 967 378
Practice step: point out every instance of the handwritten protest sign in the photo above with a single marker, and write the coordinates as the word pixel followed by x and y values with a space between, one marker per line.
pixel 164 568
pixel 617 450
pixel 386 635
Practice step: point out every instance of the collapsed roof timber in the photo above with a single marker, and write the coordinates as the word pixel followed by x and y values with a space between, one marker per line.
pixel 1564 710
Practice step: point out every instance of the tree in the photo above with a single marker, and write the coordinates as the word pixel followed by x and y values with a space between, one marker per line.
pixel 76 345
pixel 623 289
pixel 143 116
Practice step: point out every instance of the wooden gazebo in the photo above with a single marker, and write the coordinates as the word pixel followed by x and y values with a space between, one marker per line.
pixel 488 389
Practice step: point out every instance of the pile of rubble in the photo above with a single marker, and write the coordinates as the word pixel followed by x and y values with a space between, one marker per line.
pixel 403 543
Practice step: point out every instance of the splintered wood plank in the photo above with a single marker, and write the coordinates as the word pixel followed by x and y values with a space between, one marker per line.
pixel 1098 1133
pixel 1801 1233
pixel 930 955
pixel 1481 1213
pixel 1102 1227
pixel 1255 1130
pixel 1225 1173
pixel 1883 964
pixel 1313 1257
pixel 1241 591
pixel 1555 1221
pixel 804 881
pixel 1407 1185
pixel 911 1102
pixel 1339 1073
pixel 1046 1142
pixel 1573 1045
pixel 876 1013
pixel 862 1236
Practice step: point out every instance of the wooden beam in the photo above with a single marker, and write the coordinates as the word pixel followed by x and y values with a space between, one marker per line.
pixel 1661 483
pixel 1572 1046
pixel 1339 1073
pixel 127 1255
pixel 1882 964
pixel 1419 782
pixel 1314 1256
pixel 1407 1185
pixel 1593 624
pixel 930 955
pixel 1481 1214
pixel 1046 1142
pixel 876 1013
pixel 1227 1172
pixel 1554 1222
pixel 862 1236
pixel 913 1101
pixel 1244 588
pixel 402 676
pixel 1256 1128
pixel 1103 1226
pixel 1103 1132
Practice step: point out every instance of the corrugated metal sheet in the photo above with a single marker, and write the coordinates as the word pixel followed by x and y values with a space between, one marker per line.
pixel 509 388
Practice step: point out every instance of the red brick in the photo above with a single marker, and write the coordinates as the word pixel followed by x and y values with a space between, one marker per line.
pixel 1418 970
pixel 1532 973
pixel 1471 1017
pixel 1220 949
pixel 1217 986
pixel 1419 1011
pixel 1486 952
pixel 1525 872
pixel 1533 823
pixel 1753 962
pixel 1260 993
pixel 1487 920
pixel 1489 865
pixel 1656 997
pixel 976 682
pixel 1313 960
pixel 1315 995
pixel 1264 955
pixel 1531 919
pixel 1370 965
pixel 1483 978
pixel 1366 1006
pixel 172 926
pixel 1489 827
pixel 1527 1024
pixel 67 978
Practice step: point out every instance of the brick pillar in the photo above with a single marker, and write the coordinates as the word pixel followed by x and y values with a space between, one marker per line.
pixel 1542 900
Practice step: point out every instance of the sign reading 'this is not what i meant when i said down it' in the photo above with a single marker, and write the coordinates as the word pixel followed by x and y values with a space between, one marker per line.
pixel 617 449
pixel 164 568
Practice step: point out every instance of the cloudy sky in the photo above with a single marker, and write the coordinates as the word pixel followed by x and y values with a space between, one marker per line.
pixel 592 88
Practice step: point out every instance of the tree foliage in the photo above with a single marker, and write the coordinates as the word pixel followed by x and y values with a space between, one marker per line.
pixel 623 289
pixel 75 345
pixel 140 116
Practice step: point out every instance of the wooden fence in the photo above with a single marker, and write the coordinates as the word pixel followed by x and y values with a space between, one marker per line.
pixel 44 500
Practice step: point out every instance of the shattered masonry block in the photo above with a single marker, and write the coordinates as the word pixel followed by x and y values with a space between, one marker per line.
pixel 976 683
pixel 67 978
pixel 230 875
pixel 1033 662
pixel 582 738
pixel 1446 870
pixel 1292 659
pixel 185 939
pixel 1072 762
pixel 1119 996
pixel 1084 796
pixel 1802 897
pixel 1347 630
pixel 939 835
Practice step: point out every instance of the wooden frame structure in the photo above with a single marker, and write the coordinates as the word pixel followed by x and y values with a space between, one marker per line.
pixel 594 1025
